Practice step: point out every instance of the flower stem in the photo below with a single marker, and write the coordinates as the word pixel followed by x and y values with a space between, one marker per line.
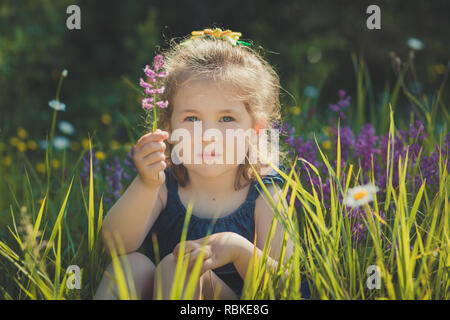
pixel 58 90
pixel 154 113
pixel 154 117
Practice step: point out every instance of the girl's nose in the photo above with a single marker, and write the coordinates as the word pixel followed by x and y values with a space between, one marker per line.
pixel 211 130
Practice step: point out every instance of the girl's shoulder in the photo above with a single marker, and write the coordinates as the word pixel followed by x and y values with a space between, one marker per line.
pixel 268 178
pixel 273 175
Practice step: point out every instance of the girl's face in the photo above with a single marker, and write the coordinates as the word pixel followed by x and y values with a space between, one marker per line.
pixel 213 106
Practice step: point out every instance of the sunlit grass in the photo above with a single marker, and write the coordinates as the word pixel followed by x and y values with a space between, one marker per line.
pixel 410 245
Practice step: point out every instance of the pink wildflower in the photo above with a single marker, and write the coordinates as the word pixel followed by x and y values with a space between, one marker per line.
pixel 158 62
pixel 156 90
pixel 163 104
pixel 146 103
pixel 144 84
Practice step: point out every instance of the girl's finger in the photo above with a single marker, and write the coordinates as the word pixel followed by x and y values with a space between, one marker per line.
pixel 188 247
pixel 152 136
pixel 154 157
pixel 196 253
pixel 193 260
pixel 207 265
pixel 142 143
pixel 150 147
pixel 158 166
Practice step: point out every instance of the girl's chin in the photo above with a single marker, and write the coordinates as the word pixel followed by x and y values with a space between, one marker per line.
pixel 210 170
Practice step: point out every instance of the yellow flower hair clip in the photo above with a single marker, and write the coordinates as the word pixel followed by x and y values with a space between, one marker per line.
pixel 230 36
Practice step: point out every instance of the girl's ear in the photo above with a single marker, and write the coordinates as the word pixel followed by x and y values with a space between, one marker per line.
pixel 260 124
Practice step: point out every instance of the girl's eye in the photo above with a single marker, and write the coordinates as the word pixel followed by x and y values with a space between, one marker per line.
pixel 227 119
pixel 191 118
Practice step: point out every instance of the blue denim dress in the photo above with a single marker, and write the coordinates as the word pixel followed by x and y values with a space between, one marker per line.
pixel 168 226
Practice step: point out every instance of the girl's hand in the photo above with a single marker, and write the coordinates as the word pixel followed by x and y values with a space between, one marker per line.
pixel 149 158
pixel 220 249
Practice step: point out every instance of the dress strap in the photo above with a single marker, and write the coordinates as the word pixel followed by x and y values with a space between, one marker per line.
pixel 255 188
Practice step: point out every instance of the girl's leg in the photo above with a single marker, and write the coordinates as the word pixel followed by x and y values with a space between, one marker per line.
pixel 209 283
pixel 164 275
pixel 142 270
pixel 215 288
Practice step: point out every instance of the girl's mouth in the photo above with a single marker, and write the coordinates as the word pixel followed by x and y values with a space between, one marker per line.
pixel 208 155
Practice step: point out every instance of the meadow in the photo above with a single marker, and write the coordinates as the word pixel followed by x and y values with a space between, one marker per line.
pixel 52 210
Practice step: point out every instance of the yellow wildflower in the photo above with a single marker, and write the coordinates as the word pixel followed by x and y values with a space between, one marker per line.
pixel 439 68
pixel 326 145
pixel 21 146
pixel 22 133
pixel 14 141
pixel 32 145
pixel 100 155
pixel 295 110
pixel 40 167
pixel 106 118
pixel 114 144
pixel 85 143
pixel 56 163
pixel 7 161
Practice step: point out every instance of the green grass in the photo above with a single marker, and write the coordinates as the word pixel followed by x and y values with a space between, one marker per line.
pixel 39 242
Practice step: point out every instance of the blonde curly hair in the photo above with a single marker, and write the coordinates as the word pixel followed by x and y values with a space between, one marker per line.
pixel 255 81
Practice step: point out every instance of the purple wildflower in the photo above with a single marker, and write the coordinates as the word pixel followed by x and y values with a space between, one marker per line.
pixel 85 170
pixel 114 180
pixel 157 90
pixel 153 74
pixel 129 163
pixel 364 146
pixel 146 103
pixel 356 217
pixel 347 139
pixel 343 103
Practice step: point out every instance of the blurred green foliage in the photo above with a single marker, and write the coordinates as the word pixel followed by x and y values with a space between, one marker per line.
pixel 309 42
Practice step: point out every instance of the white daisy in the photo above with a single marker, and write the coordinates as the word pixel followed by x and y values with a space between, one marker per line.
pixel 57 105
pixel 311 91
pixel 360 195
pixel 43 144
pixel 61 143
pixel 66 127
pixel 415 44
pixel 64 73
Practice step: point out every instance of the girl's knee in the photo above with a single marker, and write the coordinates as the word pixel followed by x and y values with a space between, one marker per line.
pixel 167 264
pixel 139 261
pixel 142 271
pixel 164 276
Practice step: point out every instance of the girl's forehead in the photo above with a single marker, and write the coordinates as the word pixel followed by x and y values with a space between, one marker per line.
pixel 202 94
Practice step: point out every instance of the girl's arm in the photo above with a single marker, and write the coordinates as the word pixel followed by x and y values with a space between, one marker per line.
pixel 132 216
pixel 229 247
pixel 263 218
pixel 220 249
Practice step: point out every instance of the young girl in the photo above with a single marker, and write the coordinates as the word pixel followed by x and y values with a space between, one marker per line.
pixel 222 86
